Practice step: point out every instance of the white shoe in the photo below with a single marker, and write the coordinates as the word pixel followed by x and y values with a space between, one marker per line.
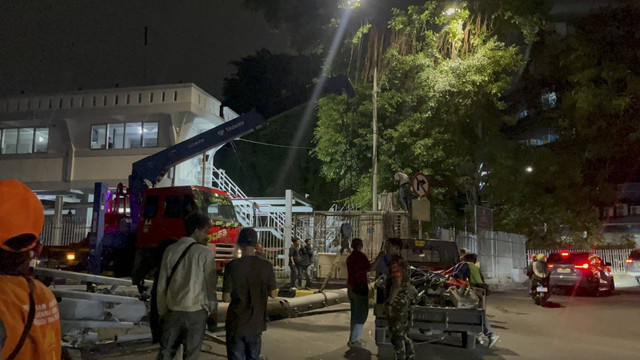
pixel 493 339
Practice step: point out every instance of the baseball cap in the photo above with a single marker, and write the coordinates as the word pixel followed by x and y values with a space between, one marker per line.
pixel 248 237
pixel 20 213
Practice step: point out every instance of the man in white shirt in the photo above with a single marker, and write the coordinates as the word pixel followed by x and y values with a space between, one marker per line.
pixel 187 291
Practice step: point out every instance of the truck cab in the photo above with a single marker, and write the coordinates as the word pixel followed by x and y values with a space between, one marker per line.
pixel 164 210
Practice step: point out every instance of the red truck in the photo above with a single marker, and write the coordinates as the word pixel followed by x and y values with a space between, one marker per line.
pixel 164 209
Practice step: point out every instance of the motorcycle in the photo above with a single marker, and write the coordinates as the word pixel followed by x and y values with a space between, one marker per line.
pixel 541 295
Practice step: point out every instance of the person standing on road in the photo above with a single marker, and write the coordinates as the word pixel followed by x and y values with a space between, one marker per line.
pixel 397 304
pixel 28 309
pixel 295 263
pixel 248 281
pixel 358 267
pixel 306 252
pixel 186 294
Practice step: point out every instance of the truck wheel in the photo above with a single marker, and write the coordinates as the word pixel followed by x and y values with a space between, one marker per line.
pixel 468 340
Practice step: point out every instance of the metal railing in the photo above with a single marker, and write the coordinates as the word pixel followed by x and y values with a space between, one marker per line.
pixel 74 229
pixel 616 257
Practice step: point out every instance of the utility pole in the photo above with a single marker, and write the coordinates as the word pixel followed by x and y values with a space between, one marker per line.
pixel 374 189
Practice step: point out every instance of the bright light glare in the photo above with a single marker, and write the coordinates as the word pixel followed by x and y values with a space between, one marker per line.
pixel 71 256
pixel 40 139
pixel 450 11
pixel 528 169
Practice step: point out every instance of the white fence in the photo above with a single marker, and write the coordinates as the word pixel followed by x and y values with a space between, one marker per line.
pixel 499 253
pixel 616 257
pixel 73 229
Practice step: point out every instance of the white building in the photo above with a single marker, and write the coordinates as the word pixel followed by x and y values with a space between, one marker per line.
pixel 68 141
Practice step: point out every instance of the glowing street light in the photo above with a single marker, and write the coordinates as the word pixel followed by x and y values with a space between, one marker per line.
pixel 451 11
pixel 528 169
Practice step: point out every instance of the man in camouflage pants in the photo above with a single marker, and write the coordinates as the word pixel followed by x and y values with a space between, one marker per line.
pixel 397 305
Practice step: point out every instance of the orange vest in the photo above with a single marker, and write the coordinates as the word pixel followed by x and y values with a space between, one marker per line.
pixel 43 341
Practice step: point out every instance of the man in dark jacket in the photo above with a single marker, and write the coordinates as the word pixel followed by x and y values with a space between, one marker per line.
pixel 295 263
pixel 306 253
pixel 248 281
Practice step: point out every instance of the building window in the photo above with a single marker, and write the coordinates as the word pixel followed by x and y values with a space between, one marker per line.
pixel 24 140
pixel 9 141
pixel 115 136
pixel 149 134
pixel 98 136
pixel 124 135
pixel 133 135
pixel 41 140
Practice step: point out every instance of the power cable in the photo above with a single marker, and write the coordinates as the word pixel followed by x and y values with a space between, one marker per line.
pixel 275 145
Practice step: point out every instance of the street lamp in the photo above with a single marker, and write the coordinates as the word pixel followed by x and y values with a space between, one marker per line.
pixel 528 169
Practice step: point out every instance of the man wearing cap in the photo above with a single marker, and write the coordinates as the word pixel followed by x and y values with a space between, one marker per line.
pixel 248 281
pixel 28 309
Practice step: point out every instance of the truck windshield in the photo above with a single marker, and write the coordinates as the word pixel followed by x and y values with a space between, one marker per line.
pixel 218 207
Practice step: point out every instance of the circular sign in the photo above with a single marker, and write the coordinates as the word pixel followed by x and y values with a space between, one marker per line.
pixel 420 184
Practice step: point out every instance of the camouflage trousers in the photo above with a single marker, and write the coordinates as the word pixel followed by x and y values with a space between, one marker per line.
pixel 399 327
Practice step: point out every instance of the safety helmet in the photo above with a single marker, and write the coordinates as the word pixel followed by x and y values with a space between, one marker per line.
pixel 20 213
pixel 540 257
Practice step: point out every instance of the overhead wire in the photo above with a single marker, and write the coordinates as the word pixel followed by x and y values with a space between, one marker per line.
pixel 275 145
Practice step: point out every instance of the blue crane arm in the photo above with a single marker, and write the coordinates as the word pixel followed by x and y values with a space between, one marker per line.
pixel 152 168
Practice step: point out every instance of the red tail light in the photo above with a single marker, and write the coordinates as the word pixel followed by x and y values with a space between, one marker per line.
pixel 564 254
pixel 550 266
pixel 582 266
pixel 629 261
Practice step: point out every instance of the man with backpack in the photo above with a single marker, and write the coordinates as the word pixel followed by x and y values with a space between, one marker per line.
pixel 186 293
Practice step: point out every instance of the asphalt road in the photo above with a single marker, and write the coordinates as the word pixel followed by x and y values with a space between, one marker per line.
pixel 573 327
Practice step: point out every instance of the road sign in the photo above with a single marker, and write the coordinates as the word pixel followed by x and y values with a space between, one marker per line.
pixel 420 184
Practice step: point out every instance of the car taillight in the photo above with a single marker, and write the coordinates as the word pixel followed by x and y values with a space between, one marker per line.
pixel 629 261
pixel 581 266
pixel 550 266
pixel 564 254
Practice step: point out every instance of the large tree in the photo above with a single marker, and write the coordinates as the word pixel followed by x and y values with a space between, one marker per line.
pixel 441 76
pixel 584 88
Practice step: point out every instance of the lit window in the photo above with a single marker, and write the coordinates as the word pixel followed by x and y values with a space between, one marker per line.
pixel 25 141
pixel 150 134
pixel 133 135
pixel 10 141
pixel 41 140
pixel 124 135
pixel 549 100
pixel 98 136
pixel 115 136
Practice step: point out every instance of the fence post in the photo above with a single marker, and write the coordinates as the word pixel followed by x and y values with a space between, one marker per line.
pixel 57 221
pixel 288 227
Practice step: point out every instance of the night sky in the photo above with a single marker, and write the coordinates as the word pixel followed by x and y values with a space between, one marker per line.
pixel 52 46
